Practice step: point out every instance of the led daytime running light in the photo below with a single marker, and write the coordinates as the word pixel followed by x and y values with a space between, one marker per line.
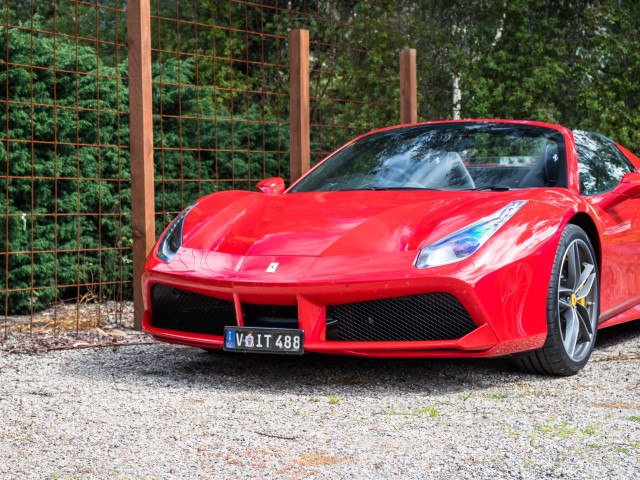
pixel 465 242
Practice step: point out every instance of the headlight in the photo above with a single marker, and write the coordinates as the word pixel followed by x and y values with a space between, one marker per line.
pixel 171 241
pixel 463 243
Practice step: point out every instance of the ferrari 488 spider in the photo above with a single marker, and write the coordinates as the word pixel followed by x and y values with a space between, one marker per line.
pixel 444 239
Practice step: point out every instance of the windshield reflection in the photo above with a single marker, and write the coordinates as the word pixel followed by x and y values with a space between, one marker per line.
pixel 447 156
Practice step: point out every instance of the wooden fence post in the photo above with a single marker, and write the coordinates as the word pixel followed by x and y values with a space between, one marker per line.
pixel 299 143
pixel 141 144
pixel 408 86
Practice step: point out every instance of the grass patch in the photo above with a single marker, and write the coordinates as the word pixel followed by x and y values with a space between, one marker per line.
pixel 498 395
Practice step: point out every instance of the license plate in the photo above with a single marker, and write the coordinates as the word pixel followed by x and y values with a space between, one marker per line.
pixel 264 340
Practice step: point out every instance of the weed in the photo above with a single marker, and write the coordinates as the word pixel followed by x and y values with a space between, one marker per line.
pixel 333 400
pixel 634 418
pixel 314 399
pixel 402 424
pixel 564 431
pixel 433 412
pixel 561 431
pixel 498 396
pixel 546 428
pixel 590 430
pixel 464 398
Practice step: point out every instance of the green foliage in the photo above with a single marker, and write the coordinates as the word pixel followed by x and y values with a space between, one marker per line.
pixel 221 117
pixel 64 194
pixel 201 148
pixel 353 62
pixel 573 63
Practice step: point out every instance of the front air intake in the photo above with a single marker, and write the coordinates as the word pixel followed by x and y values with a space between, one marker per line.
pixel 428 316
pixel 184 311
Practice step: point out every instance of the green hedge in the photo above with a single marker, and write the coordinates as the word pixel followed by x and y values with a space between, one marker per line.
pixel 74 162
pixel 66 166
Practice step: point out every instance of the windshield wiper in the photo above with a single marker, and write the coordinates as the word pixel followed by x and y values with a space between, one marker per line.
pixel 494 188
pixel 401 188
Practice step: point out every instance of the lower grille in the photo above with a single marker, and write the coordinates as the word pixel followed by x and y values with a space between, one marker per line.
pixel 273 316
pixel 428 316
pixel 183 311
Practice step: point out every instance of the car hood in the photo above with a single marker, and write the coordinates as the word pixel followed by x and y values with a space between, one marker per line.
pixel 333 223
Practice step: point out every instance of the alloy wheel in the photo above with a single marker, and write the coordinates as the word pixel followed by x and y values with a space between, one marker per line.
pixel 577 300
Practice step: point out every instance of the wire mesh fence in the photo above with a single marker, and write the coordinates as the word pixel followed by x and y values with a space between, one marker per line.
pixel 220 80
pixel 221 88
pixel 64 181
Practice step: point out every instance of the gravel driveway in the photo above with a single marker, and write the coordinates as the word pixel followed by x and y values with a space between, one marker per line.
pixel 162 412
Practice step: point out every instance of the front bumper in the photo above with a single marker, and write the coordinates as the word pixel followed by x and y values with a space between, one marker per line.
pixel 506 303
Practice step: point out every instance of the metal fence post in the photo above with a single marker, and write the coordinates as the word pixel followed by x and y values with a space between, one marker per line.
pixel 141 143
pixel 299 144
pixel 408 86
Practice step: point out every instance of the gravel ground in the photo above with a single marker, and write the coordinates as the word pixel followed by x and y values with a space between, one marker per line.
pixel 163 412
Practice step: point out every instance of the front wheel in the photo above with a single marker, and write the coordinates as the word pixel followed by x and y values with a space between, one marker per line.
pixel 572 309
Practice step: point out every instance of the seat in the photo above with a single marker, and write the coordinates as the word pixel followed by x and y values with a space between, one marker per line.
pixel 547 170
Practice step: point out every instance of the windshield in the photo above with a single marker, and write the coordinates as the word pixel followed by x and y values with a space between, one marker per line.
pixel 445 156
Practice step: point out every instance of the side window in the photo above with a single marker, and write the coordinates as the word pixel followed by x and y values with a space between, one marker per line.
pixel 600 164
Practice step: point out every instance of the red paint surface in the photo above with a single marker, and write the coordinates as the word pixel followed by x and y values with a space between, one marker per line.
pixel 343 247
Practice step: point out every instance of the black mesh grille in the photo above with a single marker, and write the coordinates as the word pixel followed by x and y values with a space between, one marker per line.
pixel 184 311
pixel 429 316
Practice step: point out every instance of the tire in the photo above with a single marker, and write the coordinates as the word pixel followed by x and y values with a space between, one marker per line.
pixel 573 308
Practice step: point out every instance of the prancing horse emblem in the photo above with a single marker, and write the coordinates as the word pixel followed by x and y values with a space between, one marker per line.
pixel 272 267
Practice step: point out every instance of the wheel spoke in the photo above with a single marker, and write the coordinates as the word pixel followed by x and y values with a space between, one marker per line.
pixel 571 332
pixel 587 285
pixel 564 304
pixel 584 323
pixel 586 268
pixel 573 255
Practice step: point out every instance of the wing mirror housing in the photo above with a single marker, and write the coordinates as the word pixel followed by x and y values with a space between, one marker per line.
pixel 629 187
pixel 271 186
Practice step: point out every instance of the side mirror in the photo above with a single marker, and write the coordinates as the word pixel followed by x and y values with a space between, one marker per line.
pixel 271 186
pixel 629 187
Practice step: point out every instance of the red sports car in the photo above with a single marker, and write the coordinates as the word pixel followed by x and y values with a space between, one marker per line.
pixel 469 238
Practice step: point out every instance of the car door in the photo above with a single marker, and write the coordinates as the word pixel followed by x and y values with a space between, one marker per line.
pixel 601 167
